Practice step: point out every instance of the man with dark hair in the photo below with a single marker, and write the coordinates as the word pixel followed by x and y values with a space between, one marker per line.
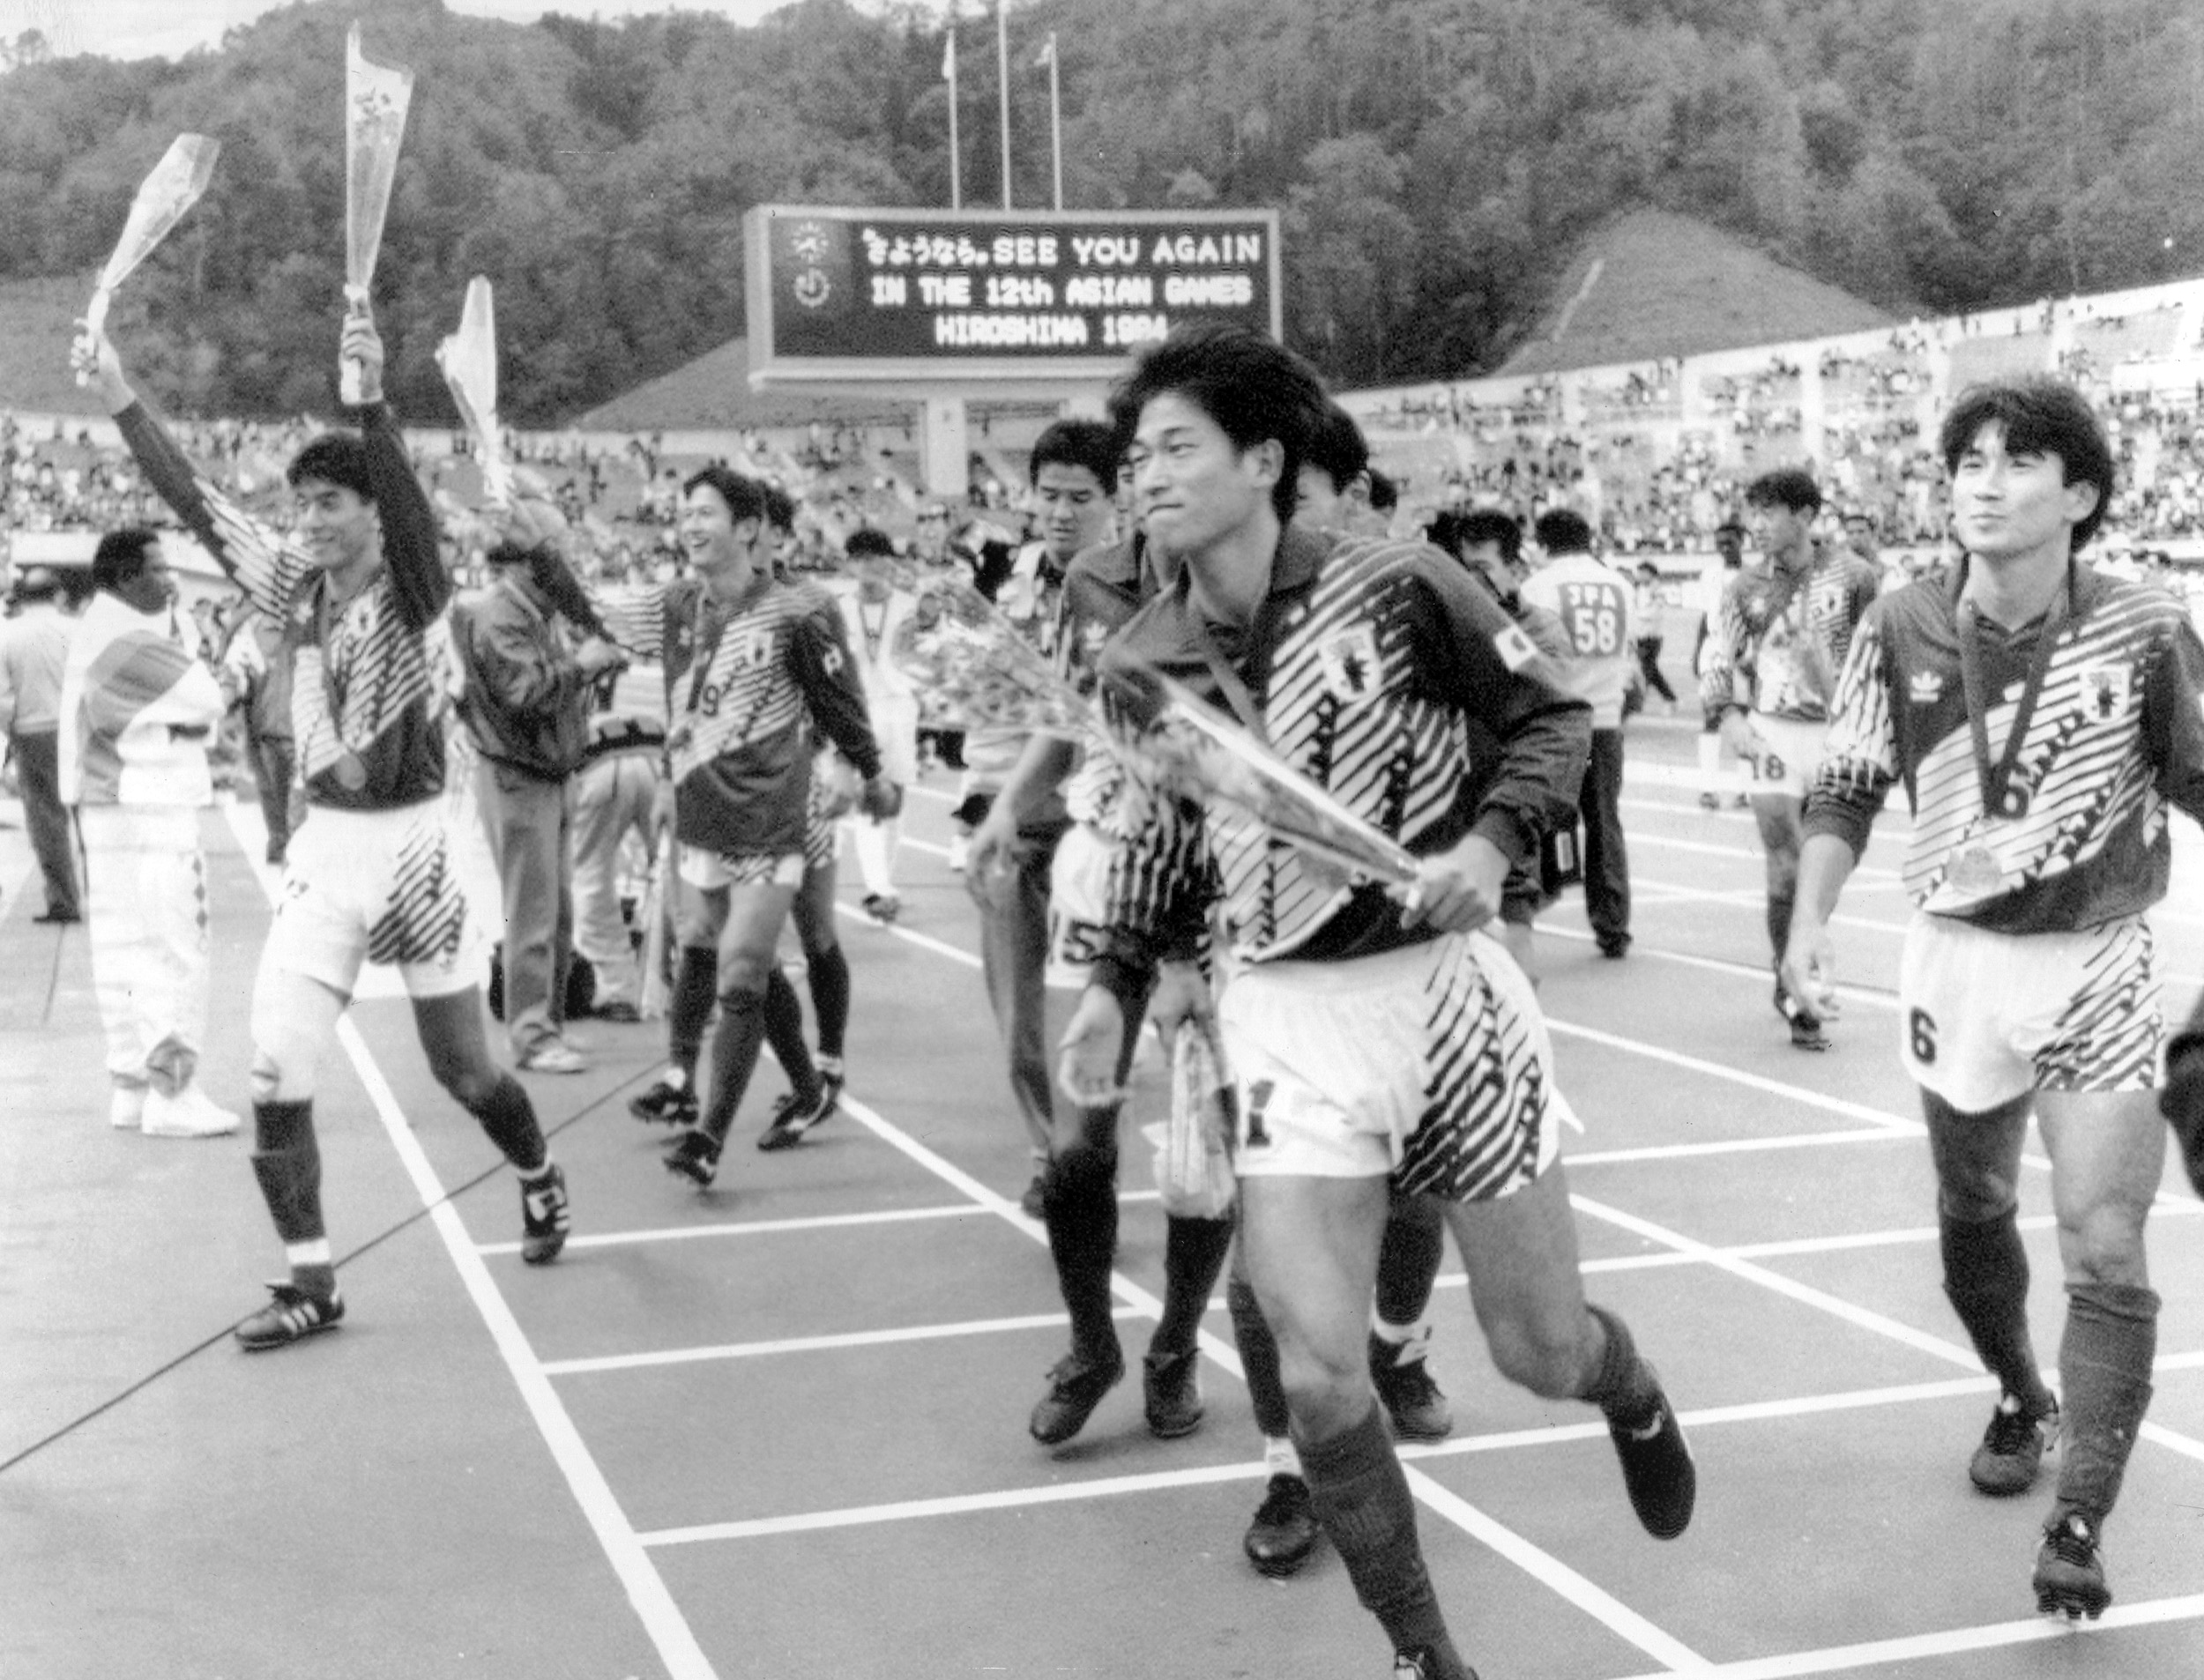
pixel 2042 717
pixel 1364 1027
pixel 360 591
pixel 753 667
pixel 526 705
pixel 1770 673
pixel 1592 602
pixel 34 648
pixel 137 712
pixel 1072 479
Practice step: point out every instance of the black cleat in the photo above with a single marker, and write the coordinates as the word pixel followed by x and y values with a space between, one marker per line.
pixel 544 1218
pixel 1412 1398
pixel 1656 1465
pixel 792 1117
pixel 1806 1026
pixel 1170 1386
pixel 693 1155
pixel 665 1104
pixel 1285 1530
pixel 2069 1574
pixel 1076 1388
pixel 292 1316
pixel 2012 1448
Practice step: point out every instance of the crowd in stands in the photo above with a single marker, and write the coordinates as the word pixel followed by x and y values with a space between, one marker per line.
pixel 1655 458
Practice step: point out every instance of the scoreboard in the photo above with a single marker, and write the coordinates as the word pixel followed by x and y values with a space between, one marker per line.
pixel 948 297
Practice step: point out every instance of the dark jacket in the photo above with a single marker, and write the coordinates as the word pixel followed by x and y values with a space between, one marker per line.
pixel 526 701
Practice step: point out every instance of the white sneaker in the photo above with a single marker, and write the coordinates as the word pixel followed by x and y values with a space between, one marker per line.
pixel 190 1113
pixel 126 1107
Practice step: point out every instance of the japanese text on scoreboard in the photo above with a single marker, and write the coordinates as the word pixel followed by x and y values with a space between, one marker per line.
pixel 1009 294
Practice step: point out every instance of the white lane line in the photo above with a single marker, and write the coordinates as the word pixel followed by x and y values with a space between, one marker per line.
pixel 808 1344
pixel 1881 1653
pixel 1547 1569
pixel 1731 1146
pixel 749 1228
pixel 1618 1617
pixel 1253 1470
pixel 661 1618
pixel 1862 1318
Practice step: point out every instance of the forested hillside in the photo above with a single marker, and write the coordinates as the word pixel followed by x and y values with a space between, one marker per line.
pixel 1435 159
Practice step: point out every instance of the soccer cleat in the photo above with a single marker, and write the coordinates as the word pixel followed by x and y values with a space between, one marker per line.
pixel 1171 1387
pixel 544 1218
pixel 2069 1574
pixel 291 1317
pixel 693 1155
pixel 552 1056
pixel 1806 1026
pixel 1412 1398
pixel 792 1117
pixel 1656 1465
pixel 1284 1529
pixel 666 1103
pixel 619 1010
pixel 881 909
pixel 1710 801
pixel 1076 1388
pixel 190 1113
pixel 1427 1663
pixel 2012 1448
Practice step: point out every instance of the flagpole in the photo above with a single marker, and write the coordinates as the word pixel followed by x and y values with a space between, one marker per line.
pixel 956 155
pixel 1002 72
pixel 1055 123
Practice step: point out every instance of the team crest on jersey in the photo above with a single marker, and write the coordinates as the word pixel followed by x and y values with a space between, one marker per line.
pixel 2104 691
pixel 757 649
pixel 1350 658
pixel 1515 648
pixel 1925 687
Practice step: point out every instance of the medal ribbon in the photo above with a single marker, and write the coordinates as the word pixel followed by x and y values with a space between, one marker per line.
pixel 1999 797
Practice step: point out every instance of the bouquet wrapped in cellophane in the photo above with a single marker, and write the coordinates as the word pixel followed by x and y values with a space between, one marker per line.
pixel 172 188
pixel 468 359
pixel 973 668
pixel 1178 739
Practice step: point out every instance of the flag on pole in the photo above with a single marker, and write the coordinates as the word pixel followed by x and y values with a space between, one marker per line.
pixel 948 58
pixel 1049 52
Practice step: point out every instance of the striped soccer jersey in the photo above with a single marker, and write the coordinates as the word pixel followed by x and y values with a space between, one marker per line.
pixel 1383 672
pixel 1778 646
pixel 371 678
pixel 749 688
pixel 2115 737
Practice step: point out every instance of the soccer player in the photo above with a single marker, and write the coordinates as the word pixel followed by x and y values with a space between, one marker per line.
pixel 2042 717
pixel 1592 601
pixel 1032 871
pixel 1771 668
pixel 752 667
pixel 1377 1041
pixel 361 592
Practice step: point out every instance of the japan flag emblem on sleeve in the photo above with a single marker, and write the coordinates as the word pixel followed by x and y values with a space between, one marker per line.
pixel 1516 650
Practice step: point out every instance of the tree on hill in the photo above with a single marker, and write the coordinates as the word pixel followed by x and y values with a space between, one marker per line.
pixel 1437 162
